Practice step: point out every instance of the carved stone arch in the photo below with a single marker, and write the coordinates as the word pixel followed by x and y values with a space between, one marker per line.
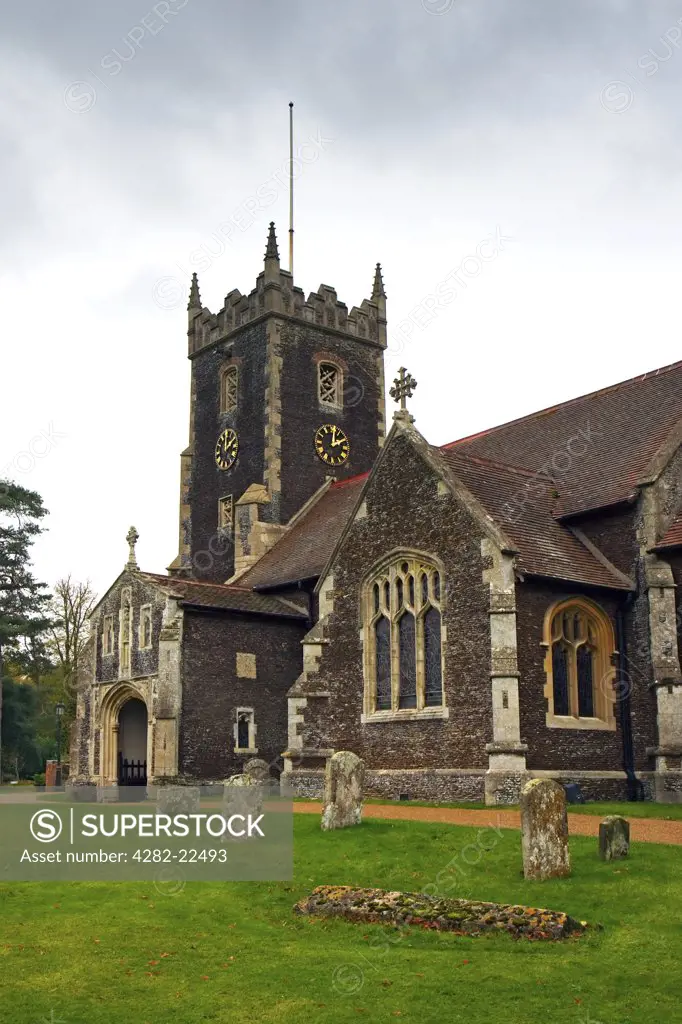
pixel 110 708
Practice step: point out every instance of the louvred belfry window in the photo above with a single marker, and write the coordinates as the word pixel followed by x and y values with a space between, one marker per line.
pixel 229 389
pixel 329 385
pixel 403 636
pixel 579 665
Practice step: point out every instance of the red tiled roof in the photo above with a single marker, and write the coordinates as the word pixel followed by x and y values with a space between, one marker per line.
pixel 223 596
pixel 597 447
pixel 545 547
pixel 303 551
pixel 673 536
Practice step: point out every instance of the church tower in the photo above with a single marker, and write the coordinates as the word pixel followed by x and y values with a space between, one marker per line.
pixel 286 392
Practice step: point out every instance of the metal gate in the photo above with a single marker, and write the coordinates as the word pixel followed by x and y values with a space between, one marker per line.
pixel 131 773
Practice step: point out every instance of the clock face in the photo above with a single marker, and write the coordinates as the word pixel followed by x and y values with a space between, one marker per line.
pixel 332 444
pixel 226 449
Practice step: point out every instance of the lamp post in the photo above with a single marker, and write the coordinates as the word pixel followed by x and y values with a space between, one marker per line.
pixel 59 711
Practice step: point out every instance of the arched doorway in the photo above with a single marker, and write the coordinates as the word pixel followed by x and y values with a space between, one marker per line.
pixel 132 743
pixel 111 709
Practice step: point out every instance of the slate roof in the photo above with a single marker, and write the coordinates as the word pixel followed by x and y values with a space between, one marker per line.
pixel 223 596
pixel 303 551
pixel 545 547
pixel 673 536
pixel 598 446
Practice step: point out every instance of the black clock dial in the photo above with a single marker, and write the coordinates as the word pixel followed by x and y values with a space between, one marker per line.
pixel 332 444
pixel 226 449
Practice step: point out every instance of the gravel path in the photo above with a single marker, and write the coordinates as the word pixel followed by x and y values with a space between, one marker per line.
pixel 643 830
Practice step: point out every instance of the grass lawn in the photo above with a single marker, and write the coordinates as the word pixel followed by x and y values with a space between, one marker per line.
pixel 645 809
pixel 93 953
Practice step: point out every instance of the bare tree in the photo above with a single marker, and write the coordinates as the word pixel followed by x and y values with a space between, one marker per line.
pixel 71 605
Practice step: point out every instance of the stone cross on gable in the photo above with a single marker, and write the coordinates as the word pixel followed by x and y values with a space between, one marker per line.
pixel 402 389
pixel 132 538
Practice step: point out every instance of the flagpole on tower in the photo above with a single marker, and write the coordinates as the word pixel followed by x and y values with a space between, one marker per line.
pixel 291 188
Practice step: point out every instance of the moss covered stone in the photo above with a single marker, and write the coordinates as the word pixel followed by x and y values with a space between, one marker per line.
pixel 465 917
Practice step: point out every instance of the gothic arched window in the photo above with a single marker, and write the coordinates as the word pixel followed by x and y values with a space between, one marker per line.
pixel 245 731
pixel 330 385
pixel 579 665
pixel 403 637
pixel 229 389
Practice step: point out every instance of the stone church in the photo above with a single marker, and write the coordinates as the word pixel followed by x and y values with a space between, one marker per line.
pixel 461 617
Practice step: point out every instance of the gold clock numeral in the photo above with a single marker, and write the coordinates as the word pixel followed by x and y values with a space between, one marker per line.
pixel 332 444
pixel 226 449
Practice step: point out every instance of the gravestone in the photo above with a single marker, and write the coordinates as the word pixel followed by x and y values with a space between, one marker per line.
pixel 343 785
pixel 242 794
pixel 544 830
pixel 614 838
pixel 258 770
pixel 81 792
pixel 174 800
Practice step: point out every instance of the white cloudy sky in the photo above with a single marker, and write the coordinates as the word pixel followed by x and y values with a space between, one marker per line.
pixel 127 141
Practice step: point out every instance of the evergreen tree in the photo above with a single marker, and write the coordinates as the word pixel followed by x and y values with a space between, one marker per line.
pixel 24 605
pixel 21 753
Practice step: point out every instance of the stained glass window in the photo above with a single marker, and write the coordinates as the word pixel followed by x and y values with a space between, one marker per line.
pixel 560 678
pixel 408 662
pixel 382 634
pixel 243 737
pixel 403 631
pixel 585 682
pixel 433 692
pixel 581 641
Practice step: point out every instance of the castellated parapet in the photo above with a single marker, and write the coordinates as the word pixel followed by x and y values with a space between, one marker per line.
pixel 275 292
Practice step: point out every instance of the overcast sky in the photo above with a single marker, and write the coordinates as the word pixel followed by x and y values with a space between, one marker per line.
pixel 135 133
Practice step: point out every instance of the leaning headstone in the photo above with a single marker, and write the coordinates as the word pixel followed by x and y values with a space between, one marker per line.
pixel 174 800
pixel 343 784
pixel 614 838
pixel 544 830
